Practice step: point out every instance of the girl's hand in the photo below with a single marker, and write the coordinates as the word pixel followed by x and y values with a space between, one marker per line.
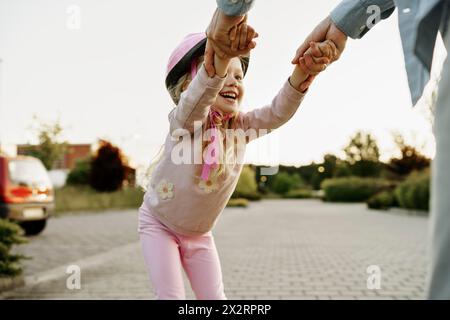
pixel 326 30
pixel 318 56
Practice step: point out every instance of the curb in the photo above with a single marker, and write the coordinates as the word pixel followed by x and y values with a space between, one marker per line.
pixel 407 212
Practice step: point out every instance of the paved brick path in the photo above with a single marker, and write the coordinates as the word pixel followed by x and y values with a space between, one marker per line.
pixel 278 249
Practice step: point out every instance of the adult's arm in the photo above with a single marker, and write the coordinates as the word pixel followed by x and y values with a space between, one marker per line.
pixel 228 33
pixel 353 17
pixel 235 7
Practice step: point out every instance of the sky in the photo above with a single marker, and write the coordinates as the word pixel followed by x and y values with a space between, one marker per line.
pixel 99 66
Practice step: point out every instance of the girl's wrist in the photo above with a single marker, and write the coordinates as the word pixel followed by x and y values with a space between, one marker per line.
pixel 221 65
pixel 298 77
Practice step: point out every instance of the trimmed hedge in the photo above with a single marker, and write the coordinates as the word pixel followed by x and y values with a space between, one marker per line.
pixel 353 189
pixel 284 182
pixel 299 194
pixel 382 201
pixel 414 192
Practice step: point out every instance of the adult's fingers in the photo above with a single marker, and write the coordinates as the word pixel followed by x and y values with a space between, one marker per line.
pixel 301 50
pixel 243 37
pixel 315 50
pixel 339 39
pixel 209 59
pixel 302 65
pixel 322 60
pixel 311 65
pixel 233 33
pixel 332 47
pixel 251 34
pixel 235 43
pixel 319 34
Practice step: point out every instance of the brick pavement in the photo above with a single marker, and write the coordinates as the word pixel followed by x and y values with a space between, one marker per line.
pixel 275 249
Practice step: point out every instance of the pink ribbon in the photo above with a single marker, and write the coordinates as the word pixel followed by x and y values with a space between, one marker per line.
pixel 211 161
pixel 193 69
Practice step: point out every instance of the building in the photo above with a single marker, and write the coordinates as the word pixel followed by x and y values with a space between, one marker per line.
pixel 74 153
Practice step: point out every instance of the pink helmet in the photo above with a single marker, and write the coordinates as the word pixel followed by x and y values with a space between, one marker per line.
pixel 192 47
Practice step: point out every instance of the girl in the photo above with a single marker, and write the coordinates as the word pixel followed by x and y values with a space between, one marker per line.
pixel 185 196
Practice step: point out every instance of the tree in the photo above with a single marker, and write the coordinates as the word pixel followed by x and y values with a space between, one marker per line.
pixel 363 155
pixel 107 168
pixel 49 149
pixel 410 160
pixel 362 147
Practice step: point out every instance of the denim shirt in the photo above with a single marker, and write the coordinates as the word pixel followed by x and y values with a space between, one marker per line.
pixel 235 7
pixel 419 22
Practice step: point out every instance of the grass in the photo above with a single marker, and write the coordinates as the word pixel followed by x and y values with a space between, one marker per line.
pixel 238 203
pixel 83 198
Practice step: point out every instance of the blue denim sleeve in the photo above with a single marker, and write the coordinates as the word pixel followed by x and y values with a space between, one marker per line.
pixel 235 7
pixel 356 17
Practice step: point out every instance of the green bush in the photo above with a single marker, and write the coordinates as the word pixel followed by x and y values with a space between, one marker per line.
pixel 237 203
pixel 382 201
pixel 353 189
pixel 10 234
pixel 80 174
pixel 284 182
pixel 299 194
pixel 247 187
pixel 414 192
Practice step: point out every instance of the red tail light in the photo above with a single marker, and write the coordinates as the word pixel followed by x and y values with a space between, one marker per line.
pixel 21 192
pixel 17 194
pixel 24 194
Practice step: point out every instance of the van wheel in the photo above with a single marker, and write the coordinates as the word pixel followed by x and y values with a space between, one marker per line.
pixel 33 228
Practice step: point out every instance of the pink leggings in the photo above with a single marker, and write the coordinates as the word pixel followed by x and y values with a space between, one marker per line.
pixel 165 252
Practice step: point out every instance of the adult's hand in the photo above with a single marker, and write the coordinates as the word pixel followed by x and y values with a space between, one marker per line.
pixel 227 36
pixel 326 30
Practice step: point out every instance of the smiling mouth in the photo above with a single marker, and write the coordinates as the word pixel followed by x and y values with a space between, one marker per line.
pixel 229 96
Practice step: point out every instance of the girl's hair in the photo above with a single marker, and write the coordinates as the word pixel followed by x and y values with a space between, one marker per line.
pixel 225 152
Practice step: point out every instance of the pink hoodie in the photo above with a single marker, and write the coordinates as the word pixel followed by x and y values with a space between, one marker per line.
pixel 176 195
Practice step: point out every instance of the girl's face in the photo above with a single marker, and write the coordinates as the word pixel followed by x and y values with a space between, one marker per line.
pixel 230 97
